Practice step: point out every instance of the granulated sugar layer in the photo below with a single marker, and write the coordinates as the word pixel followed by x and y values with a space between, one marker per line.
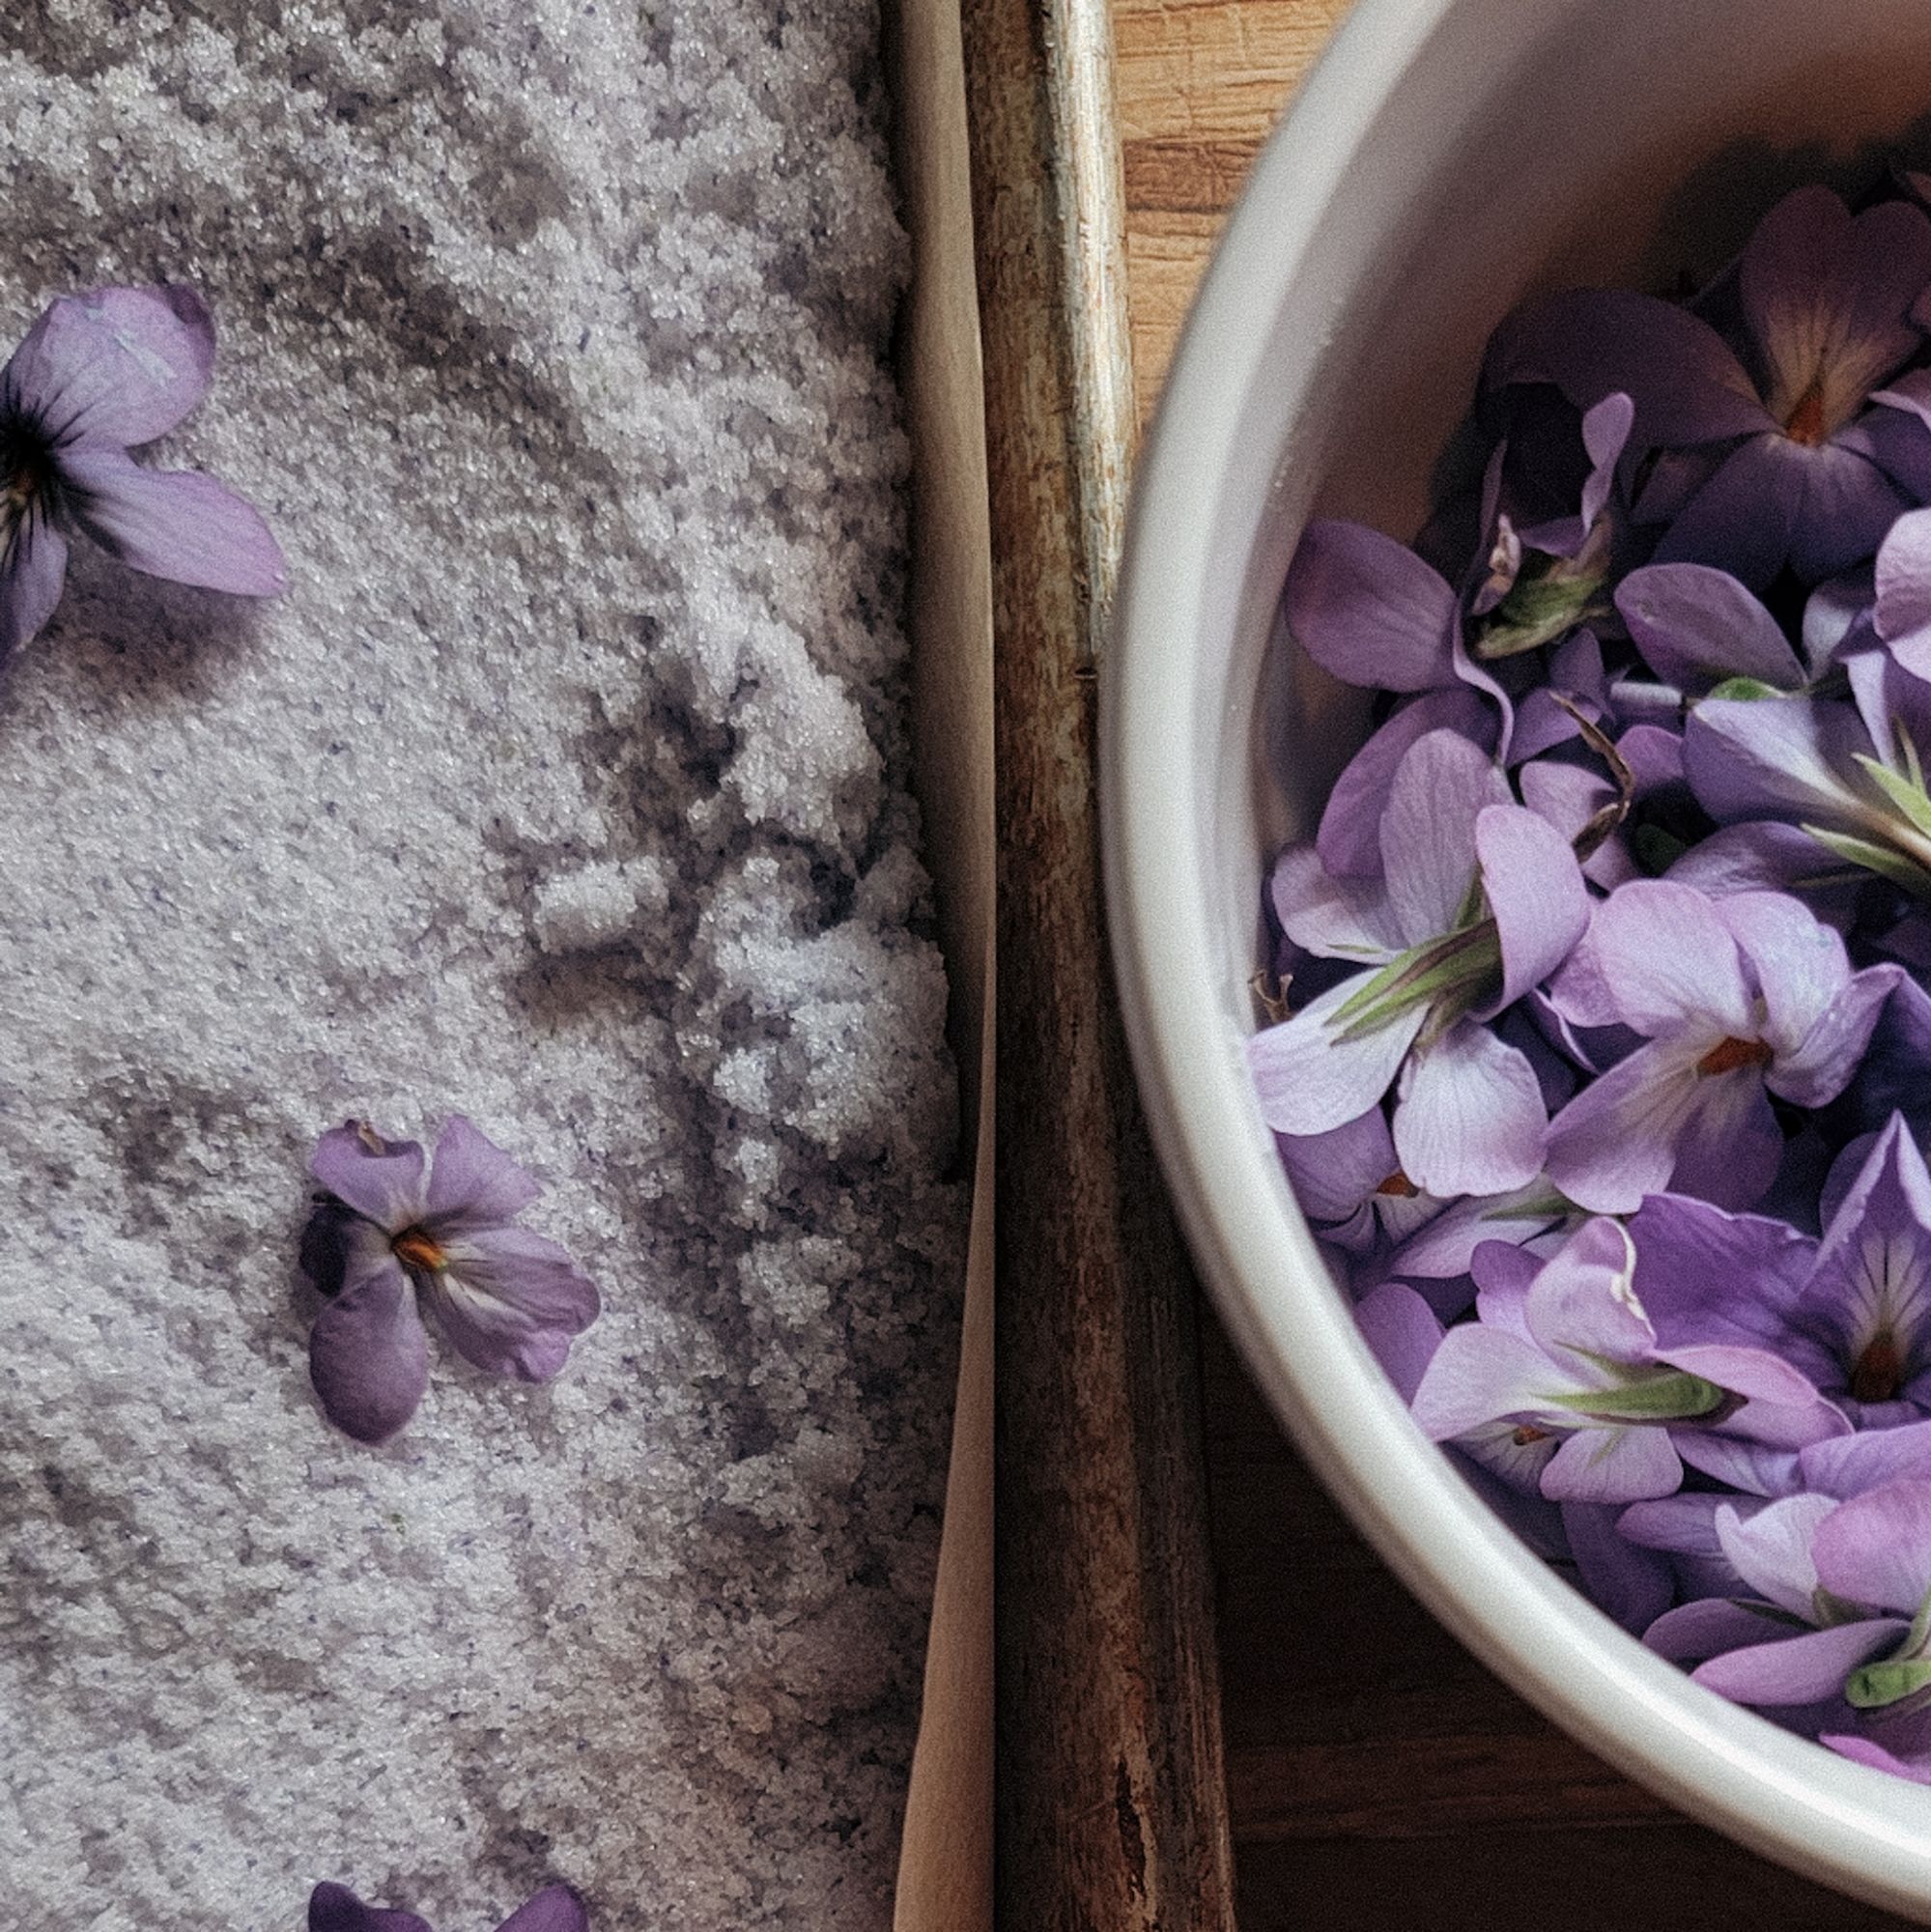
pixel 563 790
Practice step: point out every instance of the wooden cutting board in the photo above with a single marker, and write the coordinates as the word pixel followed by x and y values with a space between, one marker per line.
pixel 1378 1776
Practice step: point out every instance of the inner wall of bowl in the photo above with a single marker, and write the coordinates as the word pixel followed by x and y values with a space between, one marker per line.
pixel 1530 146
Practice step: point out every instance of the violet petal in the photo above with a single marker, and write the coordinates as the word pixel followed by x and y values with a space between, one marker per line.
pixel 176 524
pixel 1695 626
pixel 1309 1080
pixel 1348 839
pixel 383 1181
pixel 1613 1465
pixel 1686 386
pixel 1470 1118
pixel 472 1182
pixel 1707 1628
pixel 1875 1548
pixel 1804 1669
pixel 114 367
pixel 1626 1582
pixel 1440 789
pixel 1401 1331
pixel 510 1301
pixel 368 1356
pixel 1369 611
pixel 33 572
pixel 1535 893
pixel 334 1908
pixel 555 1909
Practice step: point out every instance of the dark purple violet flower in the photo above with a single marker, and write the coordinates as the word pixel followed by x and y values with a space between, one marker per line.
pixel 1827 299
pixel 394 1231
pixel 98 374
pixel 1369 611
pixel 334 1908
pixel 1697 627
pixel 1738 998
pixel 1851 1313
pixel 1548 563
pixel 1480 901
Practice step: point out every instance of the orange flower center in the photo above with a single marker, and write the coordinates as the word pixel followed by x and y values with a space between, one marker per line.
pixel 416 1248
pixel 1527 1432
pixel 1727 1055
pixel 1805 422
pixel 1400 1185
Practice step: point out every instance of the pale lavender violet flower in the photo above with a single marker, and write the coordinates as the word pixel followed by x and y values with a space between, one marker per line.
pixel 96 375
pixel 394 1229
pixel 1837 1467
pixel 334 1908
pixel 1842 1610
pixel 1826 298
pixel 1565 1379
pixel 1480 901
pixel 1738 998
pixel 1350 1186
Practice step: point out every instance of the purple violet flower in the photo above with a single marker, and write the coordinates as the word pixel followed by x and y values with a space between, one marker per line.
pixel 1566 1384
pixel 96 375
pixel 1697 627
pixel 1849 775
pixel 1738 998
pixel 1369 611
pixel 1839 1612
pixel 334 1908
pixel 1480 901
pixel 393 1230
pixel 1851 1313
pixel 1827 303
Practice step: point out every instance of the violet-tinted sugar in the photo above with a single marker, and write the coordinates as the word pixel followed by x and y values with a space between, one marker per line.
pixel 563 790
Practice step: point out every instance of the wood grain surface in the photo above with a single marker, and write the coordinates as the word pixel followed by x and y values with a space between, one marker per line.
pixel 1110 1792
pixel 1378 1779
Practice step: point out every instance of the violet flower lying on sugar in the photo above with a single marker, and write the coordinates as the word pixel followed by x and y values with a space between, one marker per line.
pixel 98 374
pixel 1605 1073
pixel 334 1908
pixel 394 1231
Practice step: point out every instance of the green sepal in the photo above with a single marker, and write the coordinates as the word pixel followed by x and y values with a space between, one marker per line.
pixel 1673 1396
pixel 1537 611
pixel 1889 1681
pixel 1909 799
pixel 1418 979
pixel 1550 1207
pixel 1746 690
pixel 1874 857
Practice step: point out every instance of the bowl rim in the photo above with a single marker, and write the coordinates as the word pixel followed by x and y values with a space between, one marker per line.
pixel 1859 1830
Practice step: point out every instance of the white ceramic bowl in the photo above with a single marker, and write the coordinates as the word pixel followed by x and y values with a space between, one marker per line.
pixel 1445 157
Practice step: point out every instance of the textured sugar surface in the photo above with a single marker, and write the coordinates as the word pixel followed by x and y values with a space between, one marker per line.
pixel 563 790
